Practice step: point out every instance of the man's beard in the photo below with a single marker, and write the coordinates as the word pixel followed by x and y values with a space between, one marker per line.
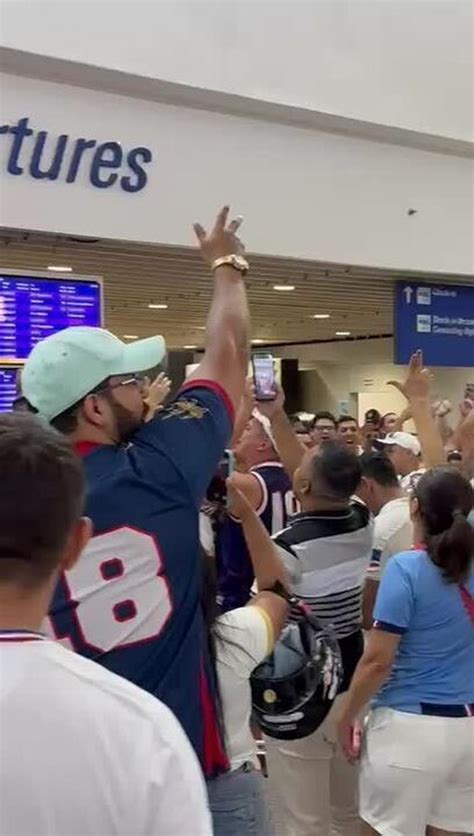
pixel 126 423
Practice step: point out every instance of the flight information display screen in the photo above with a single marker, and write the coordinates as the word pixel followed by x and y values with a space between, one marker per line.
pixel 7 387
pixel 33 308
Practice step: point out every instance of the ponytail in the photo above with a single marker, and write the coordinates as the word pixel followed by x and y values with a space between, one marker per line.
pixel 453 549
pixel 445 500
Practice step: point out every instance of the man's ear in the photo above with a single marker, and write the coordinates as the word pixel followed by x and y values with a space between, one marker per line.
pixel 76 543
pixel 93 409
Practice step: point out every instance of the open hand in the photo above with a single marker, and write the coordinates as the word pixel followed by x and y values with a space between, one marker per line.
pixel 466 407
pixel 222 239
pixel 156 393
pixel 418 380
pixel 442 408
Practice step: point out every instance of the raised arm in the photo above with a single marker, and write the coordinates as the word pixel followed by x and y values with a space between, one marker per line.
pixel 290 449
pixel 244 412
pixel 416 389
pixel 267 566
pixel 225 361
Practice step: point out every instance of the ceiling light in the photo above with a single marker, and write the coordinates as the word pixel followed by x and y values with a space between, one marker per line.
pixel 130 336
pixel 60 268
pixel 257 342
pixel 189 347
pixel 283 287
pixel 343 333
pixel 202 327
pixel 321 316
pixel 158 307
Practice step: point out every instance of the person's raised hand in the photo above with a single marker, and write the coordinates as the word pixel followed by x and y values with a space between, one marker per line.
pixel 442 408
pixel 155 393
pixel 418 380
pixel 466 435
pixel 466 407
pixel 222 239
pixel 272 408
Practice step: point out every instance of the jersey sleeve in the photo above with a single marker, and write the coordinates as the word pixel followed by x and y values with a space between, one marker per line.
pixel 395 601
pixel 244 639
pixel 192 432
pixel 176 801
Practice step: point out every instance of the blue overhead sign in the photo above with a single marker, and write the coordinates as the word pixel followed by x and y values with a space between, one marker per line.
pixel 439 319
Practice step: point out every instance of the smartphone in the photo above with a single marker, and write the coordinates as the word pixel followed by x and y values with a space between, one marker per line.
pixel 264 377
pixel 226 465
pixel 217 490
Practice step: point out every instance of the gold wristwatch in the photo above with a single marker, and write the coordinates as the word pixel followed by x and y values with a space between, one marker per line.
pixel 238 262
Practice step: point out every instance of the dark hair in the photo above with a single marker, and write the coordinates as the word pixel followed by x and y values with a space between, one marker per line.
pixel 445 500
pixel 65 423
pixel 336 472
pixel 41 496
pixel 377 466
pixel 295 421
pixel 327 416
pixel 373 415
pixel 344 419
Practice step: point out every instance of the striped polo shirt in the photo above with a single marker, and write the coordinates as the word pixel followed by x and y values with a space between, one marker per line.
pixel 327 555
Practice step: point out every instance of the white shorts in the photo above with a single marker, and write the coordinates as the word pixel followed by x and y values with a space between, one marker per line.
pixel 417 770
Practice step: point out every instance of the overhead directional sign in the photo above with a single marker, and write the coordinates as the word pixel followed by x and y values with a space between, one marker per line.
pixel 439 319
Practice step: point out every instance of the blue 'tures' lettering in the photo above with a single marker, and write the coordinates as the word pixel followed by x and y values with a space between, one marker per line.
pixel 50 159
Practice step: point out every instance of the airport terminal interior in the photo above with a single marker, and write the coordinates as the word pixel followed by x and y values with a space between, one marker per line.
pixel 237 335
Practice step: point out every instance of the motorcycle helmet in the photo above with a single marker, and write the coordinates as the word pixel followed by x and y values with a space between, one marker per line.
pixel 295 687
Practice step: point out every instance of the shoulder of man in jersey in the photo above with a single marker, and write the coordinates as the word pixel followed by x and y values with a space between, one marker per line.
pixel 191 433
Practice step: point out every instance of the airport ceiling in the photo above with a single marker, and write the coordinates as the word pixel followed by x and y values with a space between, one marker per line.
pixel 357 299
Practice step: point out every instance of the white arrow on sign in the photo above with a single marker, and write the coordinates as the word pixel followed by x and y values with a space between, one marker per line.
pixel 408 291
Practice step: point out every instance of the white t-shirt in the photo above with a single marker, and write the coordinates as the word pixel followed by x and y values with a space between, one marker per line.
pixel 86 753
pixel 393 533
pixel 244 638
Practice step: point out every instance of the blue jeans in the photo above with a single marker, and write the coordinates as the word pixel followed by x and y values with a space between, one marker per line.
pixel 238 803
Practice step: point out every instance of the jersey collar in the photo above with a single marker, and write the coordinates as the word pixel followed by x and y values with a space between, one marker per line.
pixel 21 636
pixel 83 448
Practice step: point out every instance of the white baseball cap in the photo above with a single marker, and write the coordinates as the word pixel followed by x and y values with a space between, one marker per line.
pixel 405 440
pixel 64 368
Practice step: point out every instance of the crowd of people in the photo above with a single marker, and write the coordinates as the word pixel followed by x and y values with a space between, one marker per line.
pixel 206 604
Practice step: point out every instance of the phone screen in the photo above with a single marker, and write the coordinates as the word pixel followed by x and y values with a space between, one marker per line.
pixel 264 377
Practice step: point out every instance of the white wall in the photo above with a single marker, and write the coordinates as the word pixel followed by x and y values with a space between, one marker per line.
pixel 330 383
pixel 304 193
pixel 333 372
pixel 405 63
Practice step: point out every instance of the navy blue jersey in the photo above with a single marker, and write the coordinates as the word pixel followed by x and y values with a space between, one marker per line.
pixel 234 568
pixel 132 602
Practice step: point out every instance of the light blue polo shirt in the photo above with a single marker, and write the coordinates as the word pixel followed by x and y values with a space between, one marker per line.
pixel 435 658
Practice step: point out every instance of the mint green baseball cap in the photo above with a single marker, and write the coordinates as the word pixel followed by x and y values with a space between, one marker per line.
pixel 64 368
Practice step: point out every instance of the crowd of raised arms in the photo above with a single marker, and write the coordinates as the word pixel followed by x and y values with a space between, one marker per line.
pixel 218 618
